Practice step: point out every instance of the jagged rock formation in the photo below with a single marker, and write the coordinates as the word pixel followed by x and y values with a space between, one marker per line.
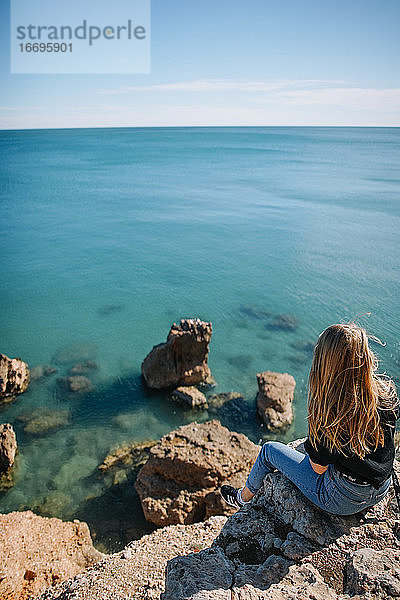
pixel 187 466
pixel 182 359
pixel 14 376
pixel 281 547
pixel 8 447
pixel 191 396
pixel 275 398
pixel 36 552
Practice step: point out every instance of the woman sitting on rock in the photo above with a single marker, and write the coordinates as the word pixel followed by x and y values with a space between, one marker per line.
pixel 352 413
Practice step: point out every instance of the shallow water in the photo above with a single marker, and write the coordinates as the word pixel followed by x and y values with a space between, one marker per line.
pixel 108 236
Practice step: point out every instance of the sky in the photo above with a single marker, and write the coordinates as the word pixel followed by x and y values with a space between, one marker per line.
pixel 229 63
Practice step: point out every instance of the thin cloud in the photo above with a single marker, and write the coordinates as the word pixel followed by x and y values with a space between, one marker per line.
pixel 220 85
pixel 364 98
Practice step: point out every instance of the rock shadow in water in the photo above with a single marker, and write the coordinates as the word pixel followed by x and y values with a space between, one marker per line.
pixel 241 361
pixel 284 322
pixel 110 309
pixel 303 346
pixel 235 413
pixel 298 360
pixel 254 311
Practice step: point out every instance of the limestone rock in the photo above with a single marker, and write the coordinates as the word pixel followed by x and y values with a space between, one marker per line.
pixel 37 552
pixel 206 576
pixel 14 376
pixel 137 572
pixel 374 571
pixel 8 447
pixel 190 395
pixel 182 359
pixel 274 399
pixel 187 466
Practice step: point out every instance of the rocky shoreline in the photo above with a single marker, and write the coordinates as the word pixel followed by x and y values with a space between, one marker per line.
pixel 278 547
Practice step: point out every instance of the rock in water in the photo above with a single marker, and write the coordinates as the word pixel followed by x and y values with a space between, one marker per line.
pixel 178 483
pixel 182 359
pixel 274 399
pixel 190 395
pixel 37 552
pixel 8 447
pixel 14 376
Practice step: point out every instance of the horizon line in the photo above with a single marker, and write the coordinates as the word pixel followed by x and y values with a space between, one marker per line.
pixel 202 127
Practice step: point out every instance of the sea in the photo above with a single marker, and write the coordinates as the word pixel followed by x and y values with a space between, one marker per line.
pixel 109 236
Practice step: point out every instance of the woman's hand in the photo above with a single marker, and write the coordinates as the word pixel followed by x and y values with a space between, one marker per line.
pixel 318 468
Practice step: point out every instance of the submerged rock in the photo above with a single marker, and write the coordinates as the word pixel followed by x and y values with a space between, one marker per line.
pixel 76 384
pixel 132 455
pixel 191 396
pixel 8 447
pixel 42 372
pixel 185 469
pixel 254 311
pixel 282 547
pixel 42 420
pixel 285 322
pixel 216 401
pixel 109 309
pixel 275 398
pixel 37 552
pixel 182 360
pixel 304 346
pixel 241 361
pixel 232 409
pixel 82 368
pixel 14 376
pixel 75 353
pixel 122 463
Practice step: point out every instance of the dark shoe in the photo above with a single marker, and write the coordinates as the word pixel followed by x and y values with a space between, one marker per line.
pixel 230 495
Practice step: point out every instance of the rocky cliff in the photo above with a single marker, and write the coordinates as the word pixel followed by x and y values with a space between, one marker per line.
pixel 281 547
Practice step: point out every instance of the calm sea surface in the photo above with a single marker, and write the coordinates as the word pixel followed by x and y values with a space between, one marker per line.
pixel 108 236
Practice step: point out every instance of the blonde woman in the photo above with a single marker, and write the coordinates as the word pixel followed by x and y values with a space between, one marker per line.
pixel 352 413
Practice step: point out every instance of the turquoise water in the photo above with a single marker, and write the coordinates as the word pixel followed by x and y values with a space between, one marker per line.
pixel 108 236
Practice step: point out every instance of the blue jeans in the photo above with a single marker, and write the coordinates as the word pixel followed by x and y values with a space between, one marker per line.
pixel 330 491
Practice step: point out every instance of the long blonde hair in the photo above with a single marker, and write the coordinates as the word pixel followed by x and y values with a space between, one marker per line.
pixel 344 392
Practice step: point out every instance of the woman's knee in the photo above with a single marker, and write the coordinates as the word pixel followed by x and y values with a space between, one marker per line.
pixel 269 448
